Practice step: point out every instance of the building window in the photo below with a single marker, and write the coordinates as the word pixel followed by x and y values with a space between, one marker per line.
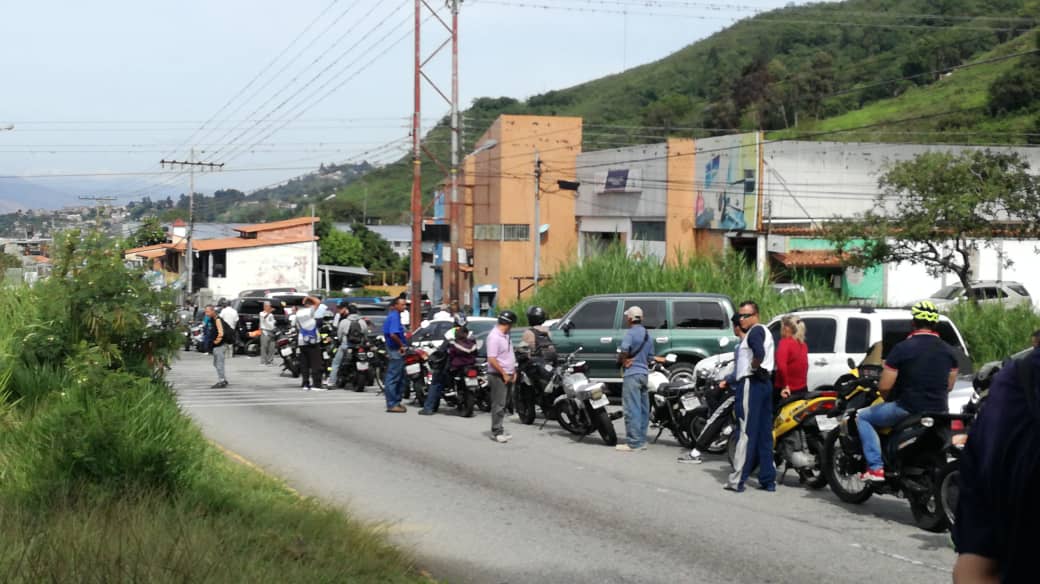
pixel 499 232
pixel 219 259
pixel 648 231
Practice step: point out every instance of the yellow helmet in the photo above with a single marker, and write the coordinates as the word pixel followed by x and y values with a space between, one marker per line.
pixel 925 310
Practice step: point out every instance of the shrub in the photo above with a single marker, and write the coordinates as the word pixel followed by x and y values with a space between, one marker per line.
pixel 993 332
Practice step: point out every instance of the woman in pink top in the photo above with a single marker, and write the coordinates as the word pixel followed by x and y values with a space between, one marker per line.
pixel 792 358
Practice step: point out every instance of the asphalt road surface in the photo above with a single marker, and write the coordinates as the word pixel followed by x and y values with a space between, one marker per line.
pixel 547 507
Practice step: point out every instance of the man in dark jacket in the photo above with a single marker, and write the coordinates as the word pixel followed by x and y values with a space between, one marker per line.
pixel 218 335
pixel 998 509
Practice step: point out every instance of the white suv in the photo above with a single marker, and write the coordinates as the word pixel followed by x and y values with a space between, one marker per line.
pixel 836 334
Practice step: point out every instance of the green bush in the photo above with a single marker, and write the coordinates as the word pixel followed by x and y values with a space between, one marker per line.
pixel 993 332
pixel 614 271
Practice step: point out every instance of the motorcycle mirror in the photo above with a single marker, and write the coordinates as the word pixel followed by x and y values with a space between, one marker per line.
pixel 671 358
pixel 724 341
pixel 852 364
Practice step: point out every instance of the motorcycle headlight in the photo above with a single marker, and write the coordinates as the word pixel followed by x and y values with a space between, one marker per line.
pixel 927 422
pixel 597 393
pixel 370 354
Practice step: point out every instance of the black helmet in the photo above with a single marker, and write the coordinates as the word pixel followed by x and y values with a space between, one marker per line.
pixel 535 315
pixel 352 308
pixel 507 317
pixel 343 303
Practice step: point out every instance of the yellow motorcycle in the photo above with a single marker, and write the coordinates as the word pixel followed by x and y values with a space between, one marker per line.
pixel 800 426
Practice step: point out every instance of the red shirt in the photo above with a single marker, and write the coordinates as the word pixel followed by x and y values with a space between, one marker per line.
pixel 792 365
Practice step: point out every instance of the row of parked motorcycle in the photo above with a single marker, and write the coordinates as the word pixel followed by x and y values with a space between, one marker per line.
pixel 815 435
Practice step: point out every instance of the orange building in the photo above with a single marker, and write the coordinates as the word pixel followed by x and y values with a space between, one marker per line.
pixel 499 192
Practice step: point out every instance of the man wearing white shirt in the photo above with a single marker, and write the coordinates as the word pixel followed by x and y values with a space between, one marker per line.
pixel 308 320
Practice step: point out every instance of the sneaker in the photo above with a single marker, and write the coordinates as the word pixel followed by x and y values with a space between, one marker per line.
pixel 502 438
pixel 873 476
pixel 219 385
pixel 425 413
pixel 398 409
pixel 320 388
pixel 735 489
pixel 306 388
pixel 624 448
pixel 689 458
pixel 770 488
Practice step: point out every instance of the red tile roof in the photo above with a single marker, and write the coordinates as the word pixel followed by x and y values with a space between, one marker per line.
pixel 237 243
pixel 809 259
pixel 276 225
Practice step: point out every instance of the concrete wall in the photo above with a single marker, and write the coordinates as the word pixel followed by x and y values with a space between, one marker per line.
pixel 646 197
pixel 824 179
pixel 269 266
pixel 503 193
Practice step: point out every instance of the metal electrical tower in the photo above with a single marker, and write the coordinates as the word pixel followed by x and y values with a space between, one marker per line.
pixel 191 164
pixel 418 149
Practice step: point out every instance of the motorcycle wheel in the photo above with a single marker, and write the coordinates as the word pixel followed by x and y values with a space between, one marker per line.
pixel 565 416
pixel 468 401
pixel 947 489
pixel 420 392
pixel 293 369
pixel 378 373
pixel 605 427
pixel 360 381
pixel 928 512
pixel 682 432
pixel 711 438
pixel 847 487
pixel 525 407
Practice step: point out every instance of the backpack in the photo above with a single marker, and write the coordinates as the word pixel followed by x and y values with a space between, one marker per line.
pixel 543 346
pixel 354 334
pixel 229 334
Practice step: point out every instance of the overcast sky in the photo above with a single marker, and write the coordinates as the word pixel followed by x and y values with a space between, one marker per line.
pixel 112 86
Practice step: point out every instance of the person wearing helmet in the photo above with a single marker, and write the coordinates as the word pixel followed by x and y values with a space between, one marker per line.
pixel 501 371
pixel 918 374
pixel 351 331
pixel 536 340
pixel 439 363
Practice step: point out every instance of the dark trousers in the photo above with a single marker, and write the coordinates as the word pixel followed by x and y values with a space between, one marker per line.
pixel 755 442
pixel 311 365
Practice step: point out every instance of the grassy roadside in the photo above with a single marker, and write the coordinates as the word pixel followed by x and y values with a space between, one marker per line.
pixel 104 479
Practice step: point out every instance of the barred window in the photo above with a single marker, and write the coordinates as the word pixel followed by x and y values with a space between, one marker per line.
pixel 648 231
pixel 499 232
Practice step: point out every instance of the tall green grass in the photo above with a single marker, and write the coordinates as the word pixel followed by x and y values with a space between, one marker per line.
pixel 994 332
pixel 104 479
pixel 614 271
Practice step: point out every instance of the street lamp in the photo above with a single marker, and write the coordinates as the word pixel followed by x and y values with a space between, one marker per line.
pixel 456 228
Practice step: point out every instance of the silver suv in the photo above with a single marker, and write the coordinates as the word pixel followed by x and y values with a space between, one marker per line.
pixel 988 291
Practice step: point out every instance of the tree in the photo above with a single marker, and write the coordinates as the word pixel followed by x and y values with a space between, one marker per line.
pixel 150 232
pixel 378 253
pixel 339 248
pixel 939 208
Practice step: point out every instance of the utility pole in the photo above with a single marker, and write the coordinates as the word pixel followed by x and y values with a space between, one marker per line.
pixel 537 218
pixel 99 202
pixel 191 164
pixel 454 214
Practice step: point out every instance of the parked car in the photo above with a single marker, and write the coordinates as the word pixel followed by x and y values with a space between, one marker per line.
pixel 836 334
pixel 988 291
pixel 689 325
pixel 259 293
pixel 788 288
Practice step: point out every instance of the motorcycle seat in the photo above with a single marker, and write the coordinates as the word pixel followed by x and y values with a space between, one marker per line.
pixel 675 389
pixel 804 395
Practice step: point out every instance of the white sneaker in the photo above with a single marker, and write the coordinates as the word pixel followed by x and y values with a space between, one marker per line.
pixel 503 438
pixel 319 388
pixel 624 448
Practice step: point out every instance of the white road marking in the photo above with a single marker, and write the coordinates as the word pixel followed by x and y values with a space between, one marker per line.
pixel 944 569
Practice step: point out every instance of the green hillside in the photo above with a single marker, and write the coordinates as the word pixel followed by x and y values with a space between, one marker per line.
pixel 796 71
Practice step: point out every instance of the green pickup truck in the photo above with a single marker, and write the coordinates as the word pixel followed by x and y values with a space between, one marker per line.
pixel 689 325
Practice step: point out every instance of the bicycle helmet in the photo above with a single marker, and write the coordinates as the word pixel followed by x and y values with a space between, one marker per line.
pixel 507 317
pixel 535 315
pixel 926 311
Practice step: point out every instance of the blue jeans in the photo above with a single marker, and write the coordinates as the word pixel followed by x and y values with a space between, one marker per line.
pixel 437 383
pixel 344 348
pixel 393 384
pixel 635 401
pixel 881 416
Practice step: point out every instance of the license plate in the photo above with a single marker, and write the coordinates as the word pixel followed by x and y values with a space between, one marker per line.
pixel 471 382
pixel 362 365
pixel 412 369
pixel 690 402
pixel 826 424
pixel 286 352
pixel 601 402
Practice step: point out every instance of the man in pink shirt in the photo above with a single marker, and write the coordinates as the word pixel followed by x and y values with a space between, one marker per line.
pixel 501 371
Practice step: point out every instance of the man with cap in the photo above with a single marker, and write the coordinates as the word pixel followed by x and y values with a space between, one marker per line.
pixel 501 371
pixel 637 348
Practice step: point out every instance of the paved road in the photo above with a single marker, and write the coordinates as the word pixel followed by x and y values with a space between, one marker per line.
pixel 545 507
